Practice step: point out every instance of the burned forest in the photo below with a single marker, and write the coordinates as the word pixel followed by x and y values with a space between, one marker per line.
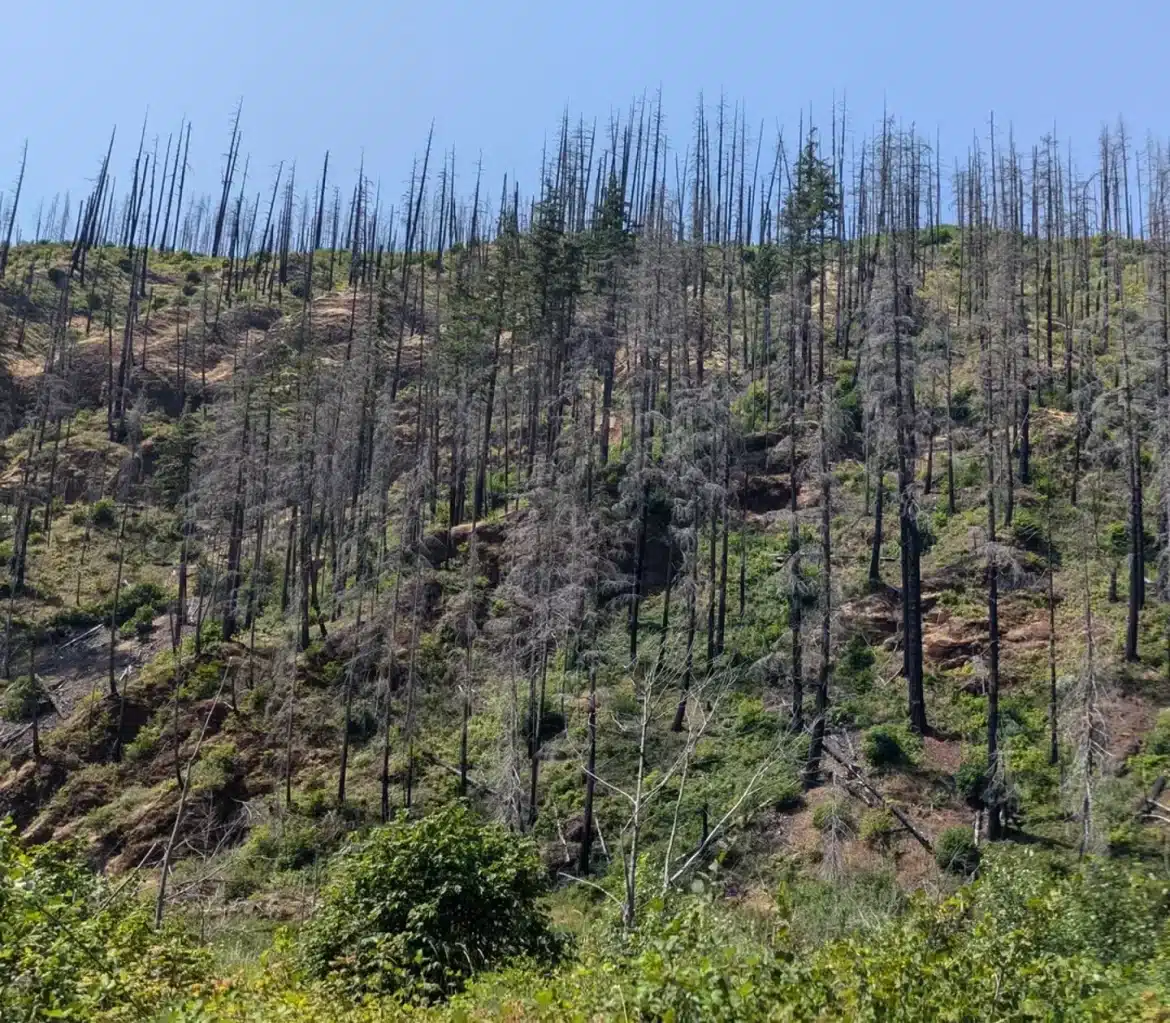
pixel 726 576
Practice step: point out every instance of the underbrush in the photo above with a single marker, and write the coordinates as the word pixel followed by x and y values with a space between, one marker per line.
pixel 1033 938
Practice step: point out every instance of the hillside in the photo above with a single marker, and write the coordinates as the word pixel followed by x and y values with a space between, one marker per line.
pixel 767 580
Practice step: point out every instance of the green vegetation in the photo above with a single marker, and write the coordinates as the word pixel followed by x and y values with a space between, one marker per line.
pixel 615 607
pixel 73 947
pixel 419 906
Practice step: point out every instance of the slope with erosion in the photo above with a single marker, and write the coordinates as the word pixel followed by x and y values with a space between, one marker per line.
pixel 258 721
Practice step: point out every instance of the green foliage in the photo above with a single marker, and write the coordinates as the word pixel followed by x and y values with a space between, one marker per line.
pixel 130 602
pixel 72 949
pixel 956 851
pixel 834 819
pixel 891 746
pixel 1158 741
pixel 202 680
pixel 420 905
pixel 144 745
pixel 141 623
pixel 104 513
pixel 175 458
pixel 23 698
pixel 753 718
pixel 1032 938
pixel 811 204
pixel 1028 532
pixel 962 408
pixel 294 841
pixel 854 672
pixel 216 768
pixel 878 827
pixel 971 777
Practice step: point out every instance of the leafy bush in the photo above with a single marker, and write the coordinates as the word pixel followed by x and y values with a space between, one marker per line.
pixel 74 948
pixel 890 746
pixel 971 777
pixel 144 745
pixel 141 623
pixel 753 718
pixel 216 768
pixel 956 851
pixel 295 843
pixel 104 513
pixel 834 819
pixel 855 665
pixel 1028 532
pixel 420 905
pixel 23 698
pixel 131 600
pixel 1158 741
pixel 878 828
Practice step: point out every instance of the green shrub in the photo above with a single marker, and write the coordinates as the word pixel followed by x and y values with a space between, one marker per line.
pixel 878 828
pixel 1030 939
pixel 73 947
pixel 855 665
pixel 753 718
pixel 216 767
pixel 202 680
pixel 144 745
pixel 971 777
pixel 23 698
pixel 890 746
pixel 130 601
pixel 104 513
pixel 956 851
pixel 834 819
pixel 1028 532
pixel 1158 741
pixel 140 624
pixel 293 844
pixel 363 723
pixel 420 905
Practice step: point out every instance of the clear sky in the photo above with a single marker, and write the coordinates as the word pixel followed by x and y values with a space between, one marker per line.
pixel 368 76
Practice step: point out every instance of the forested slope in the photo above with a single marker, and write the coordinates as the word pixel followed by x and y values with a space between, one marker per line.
pixel 764 540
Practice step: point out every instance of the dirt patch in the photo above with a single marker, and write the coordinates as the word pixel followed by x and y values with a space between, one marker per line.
pixel 951 644
pixel 1032 635
pixel 74 669
pixel 876 615
pixel 941 756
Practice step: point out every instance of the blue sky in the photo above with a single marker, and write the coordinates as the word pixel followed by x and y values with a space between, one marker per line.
pixel 367 77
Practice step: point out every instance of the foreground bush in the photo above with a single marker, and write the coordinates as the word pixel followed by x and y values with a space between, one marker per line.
pixel 71 949
pixel 956 851
pixel 890 746
pixel 420 905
